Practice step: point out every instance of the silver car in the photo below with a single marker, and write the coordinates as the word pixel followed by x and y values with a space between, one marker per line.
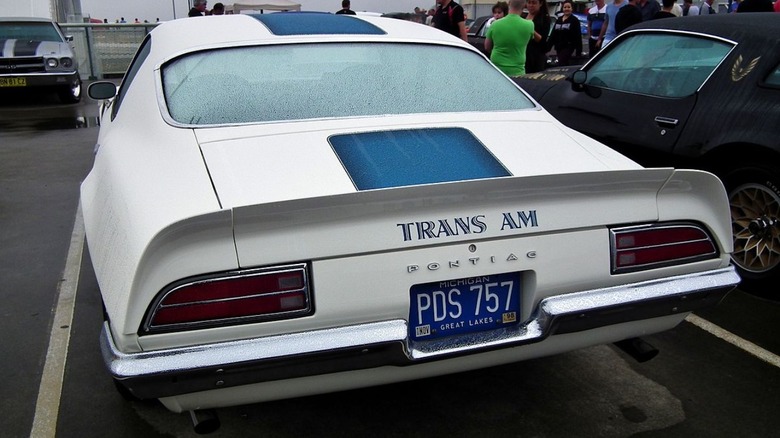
pixel 34 53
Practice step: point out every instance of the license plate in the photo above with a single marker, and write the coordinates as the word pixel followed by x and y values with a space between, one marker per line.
pixel 465 305
pixel 13 82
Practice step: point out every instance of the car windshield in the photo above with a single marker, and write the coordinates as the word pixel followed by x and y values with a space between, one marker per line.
pixel 658 64
pixel 309 81
pixel 29 31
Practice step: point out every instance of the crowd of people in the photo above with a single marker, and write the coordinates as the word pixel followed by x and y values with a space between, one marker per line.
pixel 521 32
pixel 199 9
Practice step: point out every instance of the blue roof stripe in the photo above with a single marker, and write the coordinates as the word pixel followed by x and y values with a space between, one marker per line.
pixel 378 160
pixel 314 23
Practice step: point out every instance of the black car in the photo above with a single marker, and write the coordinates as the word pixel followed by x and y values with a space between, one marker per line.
pixel 478 31
pixel 700 92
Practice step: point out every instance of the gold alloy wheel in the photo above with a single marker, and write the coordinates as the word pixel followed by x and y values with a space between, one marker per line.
pixel 755 212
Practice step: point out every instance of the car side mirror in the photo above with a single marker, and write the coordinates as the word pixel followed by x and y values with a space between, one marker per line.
pixel 578 84
pixel 578 80
pixel 102 90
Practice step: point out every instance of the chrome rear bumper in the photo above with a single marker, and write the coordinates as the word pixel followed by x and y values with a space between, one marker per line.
pixel 164 373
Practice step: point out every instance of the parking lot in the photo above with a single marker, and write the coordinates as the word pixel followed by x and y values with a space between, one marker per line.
pixel 718 374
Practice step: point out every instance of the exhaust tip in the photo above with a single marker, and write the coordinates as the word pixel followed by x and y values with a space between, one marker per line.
pixel 204 421
pixel 637 348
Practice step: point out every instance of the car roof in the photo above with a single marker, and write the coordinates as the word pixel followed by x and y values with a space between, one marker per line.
pixel 24 19
pixel 176 37
pixel 735 27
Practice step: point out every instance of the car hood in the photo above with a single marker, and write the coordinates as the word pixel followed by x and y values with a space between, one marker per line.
pixel 307 160
pixel 21 48
pixel 538 84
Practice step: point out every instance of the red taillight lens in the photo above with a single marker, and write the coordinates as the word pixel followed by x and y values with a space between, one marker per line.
pixel 647 247
pixel 233 298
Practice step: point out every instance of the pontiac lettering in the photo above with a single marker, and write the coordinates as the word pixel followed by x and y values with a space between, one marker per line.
pixel 435 266
pixel 478 224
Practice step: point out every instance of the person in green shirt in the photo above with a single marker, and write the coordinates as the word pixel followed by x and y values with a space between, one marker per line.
pixel 508 38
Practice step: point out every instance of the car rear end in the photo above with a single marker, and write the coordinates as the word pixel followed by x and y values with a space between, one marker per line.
pixel 345 234
pixel 381 286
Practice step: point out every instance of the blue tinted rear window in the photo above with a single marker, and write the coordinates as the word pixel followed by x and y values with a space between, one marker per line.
pixel 307 23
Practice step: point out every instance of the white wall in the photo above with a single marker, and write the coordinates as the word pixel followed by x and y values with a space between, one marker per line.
pixel 26 8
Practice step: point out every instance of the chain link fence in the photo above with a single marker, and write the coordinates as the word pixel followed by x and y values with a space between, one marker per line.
pixel 105 50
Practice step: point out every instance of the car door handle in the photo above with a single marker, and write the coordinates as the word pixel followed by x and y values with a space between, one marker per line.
pixel 666 122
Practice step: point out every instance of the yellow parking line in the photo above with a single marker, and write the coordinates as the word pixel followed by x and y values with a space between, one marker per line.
pixel 49 392
pixel 731 338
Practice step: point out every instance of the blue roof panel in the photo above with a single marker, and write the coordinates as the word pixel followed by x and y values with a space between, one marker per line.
pixel 386 159
pixel 314 23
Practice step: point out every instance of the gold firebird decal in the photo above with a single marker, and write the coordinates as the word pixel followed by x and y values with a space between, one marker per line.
pixel 545 76
pixel 738 71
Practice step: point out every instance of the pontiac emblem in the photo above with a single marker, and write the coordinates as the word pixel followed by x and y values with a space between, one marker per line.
pixel 738 71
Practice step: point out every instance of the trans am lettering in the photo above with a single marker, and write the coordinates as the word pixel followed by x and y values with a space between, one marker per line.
pixel 443 228
pixel 435 229
pixel 519 219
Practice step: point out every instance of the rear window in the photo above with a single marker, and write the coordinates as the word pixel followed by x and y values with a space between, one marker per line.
pixel 310 81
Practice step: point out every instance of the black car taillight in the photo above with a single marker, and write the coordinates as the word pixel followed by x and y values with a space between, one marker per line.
pixel 652 246
pixel 239 297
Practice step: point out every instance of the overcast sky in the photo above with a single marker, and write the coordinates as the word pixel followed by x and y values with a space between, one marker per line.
pixel 164 9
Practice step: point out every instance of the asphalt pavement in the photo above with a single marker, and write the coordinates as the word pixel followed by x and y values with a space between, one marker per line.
pixel 719 382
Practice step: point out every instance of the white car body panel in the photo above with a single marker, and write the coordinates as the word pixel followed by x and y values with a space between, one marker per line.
pixel 166 202
pixel 244 168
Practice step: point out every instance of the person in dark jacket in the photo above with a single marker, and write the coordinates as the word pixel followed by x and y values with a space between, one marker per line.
pixel 451 18
pixel 628 16
pixel 755 6
pixel 345 4
pixel 566 36
pixel 198 9
pixel 536 52
pixel 666 10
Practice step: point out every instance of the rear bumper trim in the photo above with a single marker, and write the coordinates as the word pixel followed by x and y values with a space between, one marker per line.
pixel 163 373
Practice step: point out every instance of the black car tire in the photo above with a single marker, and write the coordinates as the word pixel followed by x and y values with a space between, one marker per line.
pixel 70 93
pixel 754 198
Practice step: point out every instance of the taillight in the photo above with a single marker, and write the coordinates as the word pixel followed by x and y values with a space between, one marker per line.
pixel 653 246
pixel 232 298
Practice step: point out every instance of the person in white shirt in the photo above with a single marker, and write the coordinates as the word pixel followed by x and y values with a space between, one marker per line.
pixel 689 8
pixel 500 9
pixel 707 8
pixel 597 15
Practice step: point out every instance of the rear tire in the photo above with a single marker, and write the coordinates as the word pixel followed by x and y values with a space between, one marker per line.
pixel 754 198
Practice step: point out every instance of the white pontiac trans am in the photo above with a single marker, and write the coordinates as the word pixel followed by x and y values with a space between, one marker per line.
pixel 297 203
